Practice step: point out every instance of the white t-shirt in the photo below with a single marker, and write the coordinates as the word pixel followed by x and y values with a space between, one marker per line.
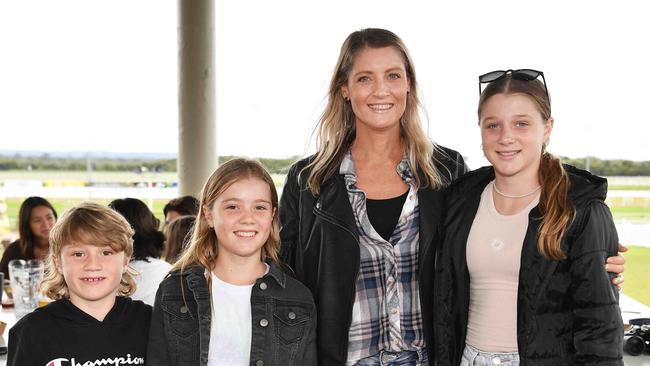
pixel 149 276
pixel 230 328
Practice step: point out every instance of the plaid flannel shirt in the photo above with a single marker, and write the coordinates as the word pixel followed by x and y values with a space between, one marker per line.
pixel 386 313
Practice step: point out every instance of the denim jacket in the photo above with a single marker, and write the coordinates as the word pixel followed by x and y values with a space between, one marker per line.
pixel 282 312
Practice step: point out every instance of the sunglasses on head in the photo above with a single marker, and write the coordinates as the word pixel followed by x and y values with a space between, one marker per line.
pixel 520 74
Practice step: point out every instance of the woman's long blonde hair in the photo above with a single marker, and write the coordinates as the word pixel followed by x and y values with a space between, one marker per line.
pixel 554 204
pixel 336 130
pixel 93 224
pixel 204 246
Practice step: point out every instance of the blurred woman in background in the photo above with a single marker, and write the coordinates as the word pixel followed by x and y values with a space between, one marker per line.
pixel 35 220
pixel 177 234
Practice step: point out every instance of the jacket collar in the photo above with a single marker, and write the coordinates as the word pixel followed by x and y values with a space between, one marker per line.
pixel 334 205
pixel 333 202
pixel 276 273
pixel 348 171
pixel 196 273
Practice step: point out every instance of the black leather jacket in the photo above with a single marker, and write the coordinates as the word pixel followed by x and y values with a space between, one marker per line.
pixel 282 311
pixel 321 243
pixel 567 311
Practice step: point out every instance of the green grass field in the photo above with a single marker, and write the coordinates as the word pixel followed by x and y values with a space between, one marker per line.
pixel 79 176
pixel 630 213
pixel 637 274
pixel 62 178
pixel 635 214
pixel 62 204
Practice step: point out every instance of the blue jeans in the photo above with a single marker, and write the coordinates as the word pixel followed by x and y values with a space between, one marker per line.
pixel 474 357
pixel 403 358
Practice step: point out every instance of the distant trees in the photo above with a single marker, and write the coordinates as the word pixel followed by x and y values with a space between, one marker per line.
pixel 612 167
pixel 80 164
pixel 113 165
pixel 276 166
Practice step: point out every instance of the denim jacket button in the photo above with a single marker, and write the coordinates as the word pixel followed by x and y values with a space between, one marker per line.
pixel 264 323
pixel 263 286
pixel 259 363
pixel 184 309
pixel 291 315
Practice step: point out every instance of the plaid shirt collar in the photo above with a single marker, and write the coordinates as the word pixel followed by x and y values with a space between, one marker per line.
pixel 350 175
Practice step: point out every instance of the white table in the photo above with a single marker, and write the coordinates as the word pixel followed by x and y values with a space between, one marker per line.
pixel 630 309
pixel 8 317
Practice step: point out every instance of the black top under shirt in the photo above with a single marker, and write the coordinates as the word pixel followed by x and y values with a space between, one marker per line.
pixel 384 214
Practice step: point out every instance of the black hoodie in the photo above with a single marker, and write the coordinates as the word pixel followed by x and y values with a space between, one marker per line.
pixel 60 334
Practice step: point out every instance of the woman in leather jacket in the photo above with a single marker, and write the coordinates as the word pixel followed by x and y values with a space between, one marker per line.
pixel 359 217
pixel 520 276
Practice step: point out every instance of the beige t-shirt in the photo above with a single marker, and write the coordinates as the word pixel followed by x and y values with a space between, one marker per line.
pixel 493 259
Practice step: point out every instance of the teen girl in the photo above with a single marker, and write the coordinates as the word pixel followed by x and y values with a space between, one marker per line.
pixel 521 278
pixel 227 301
pixel 92 322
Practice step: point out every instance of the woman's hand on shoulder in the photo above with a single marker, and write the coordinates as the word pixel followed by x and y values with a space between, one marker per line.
pixel 616 265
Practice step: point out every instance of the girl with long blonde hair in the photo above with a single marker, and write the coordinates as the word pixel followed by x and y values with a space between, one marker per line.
pixel 227 300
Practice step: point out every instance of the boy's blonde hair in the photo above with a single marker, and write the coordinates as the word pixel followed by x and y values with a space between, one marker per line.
pixel 87 223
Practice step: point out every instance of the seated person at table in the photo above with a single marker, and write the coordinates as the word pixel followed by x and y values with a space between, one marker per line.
pixel 92 321
pixel 35 220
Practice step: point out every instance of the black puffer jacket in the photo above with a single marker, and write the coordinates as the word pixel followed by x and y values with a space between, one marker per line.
pixel 567 311
pixel 321 243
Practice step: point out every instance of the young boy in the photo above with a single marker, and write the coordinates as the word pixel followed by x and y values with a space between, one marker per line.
pixel 91 322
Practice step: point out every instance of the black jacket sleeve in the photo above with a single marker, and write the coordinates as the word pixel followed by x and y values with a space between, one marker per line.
pixel 290 217
pixel 157 350
pixel 443 295
pixel 597 325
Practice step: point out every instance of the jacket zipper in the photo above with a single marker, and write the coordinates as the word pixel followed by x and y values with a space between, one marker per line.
pixel 318 212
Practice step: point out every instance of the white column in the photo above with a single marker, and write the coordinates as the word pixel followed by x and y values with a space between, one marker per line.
pixel 197 147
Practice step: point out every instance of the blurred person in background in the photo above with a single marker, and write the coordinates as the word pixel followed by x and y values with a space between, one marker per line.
pixel 4 225
pixel 177 234
pixel 35 220
pixel 148 244
pixel 181 206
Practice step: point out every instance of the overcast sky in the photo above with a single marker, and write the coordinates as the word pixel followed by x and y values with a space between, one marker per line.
pixel 101 75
